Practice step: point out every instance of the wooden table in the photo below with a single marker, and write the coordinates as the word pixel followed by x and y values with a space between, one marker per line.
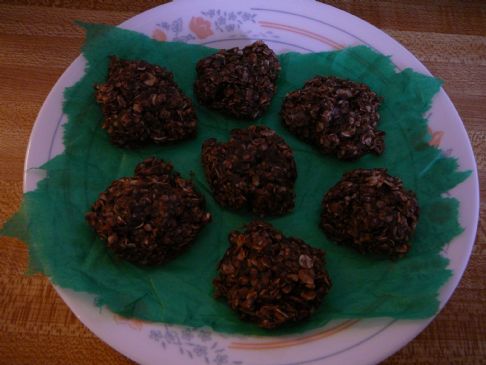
pixel 38 41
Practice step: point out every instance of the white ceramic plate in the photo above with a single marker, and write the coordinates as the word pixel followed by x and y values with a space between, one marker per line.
pixel 285 25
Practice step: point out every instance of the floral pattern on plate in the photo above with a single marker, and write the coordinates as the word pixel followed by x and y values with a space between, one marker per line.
pixel 193 343
pixel 210 23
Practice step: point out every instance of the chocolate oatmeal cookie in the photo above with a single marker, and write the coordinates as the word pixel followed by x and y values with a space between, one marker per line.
pixel 238 82
pixel 255 169
pixel 371 212
pixel 271 279
pixel 337 116
pixel 142 103
pixel 151 217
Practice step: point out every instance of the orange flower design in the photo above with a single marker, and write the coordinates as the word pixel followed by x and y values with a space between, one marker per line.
pixel 200 27
pixel 135 324
pixel 159 35
pixel 436 137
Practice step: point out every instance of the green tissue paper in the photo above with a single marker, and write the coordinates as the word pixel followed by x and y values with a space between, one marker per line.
pixel 63 246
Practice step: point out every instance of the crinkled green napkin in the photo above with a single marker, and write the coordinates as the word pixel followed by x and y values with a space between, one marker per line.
pixel 63 247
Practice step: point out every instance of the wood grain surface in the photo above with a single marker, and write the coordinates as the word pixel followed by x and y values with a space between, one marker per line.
pixel 38 41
